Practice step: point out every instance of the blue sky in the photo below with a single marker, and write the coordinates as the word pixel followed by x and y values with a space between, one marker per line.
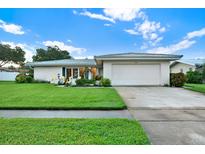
pixel 89 32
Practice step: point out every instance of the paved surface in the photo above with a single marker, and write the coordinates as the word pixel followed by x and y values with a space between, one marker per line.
pixel 65 114
pixel 161 97
pixel 168 115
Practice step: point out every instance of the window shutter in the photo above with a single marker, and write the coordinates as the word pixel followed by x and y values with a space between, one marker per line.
pixel 63 71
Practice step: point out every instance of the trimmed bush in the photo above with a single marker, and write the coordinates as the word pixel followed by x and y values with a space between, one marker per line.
pixel 84 82
pixel 21 78
pixel 177 79
pixel 29 79
pixel 105 82
pixel 194 77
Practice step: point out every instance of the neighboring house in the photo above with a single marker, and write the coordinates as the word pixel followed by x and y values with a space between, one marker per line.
pixel 185 65
pixel 8 74
pixel 122 69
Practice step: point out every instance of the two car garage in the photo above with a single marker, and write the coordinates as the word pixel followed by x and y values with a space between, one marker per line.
pixel 136 74
pixel 134 69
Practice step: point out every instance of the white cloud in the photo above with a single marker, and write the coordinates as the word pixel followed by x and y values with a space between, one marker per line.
pixel 11 28
pixel 108 25
pixel 197 33
pixel 83 57
pixel 131 31
pixel 64 46
pixel 184 44
pixel 149 30
pixel 123 14
pixel 97 16
pixel 70 41
pixel 29 50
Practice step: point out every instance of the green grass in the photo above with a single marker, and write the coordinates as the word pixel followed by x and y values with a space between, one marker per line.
pixel 196 87
pixel 48 96
pixel 71 131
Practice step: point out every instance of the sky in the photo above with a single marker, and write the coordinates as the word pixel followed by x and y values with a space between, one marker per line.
pixel 89 32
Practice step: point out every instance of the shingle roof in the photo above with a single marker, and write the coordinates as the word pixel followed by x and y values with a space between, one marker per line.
pixel 64 62
pixel 134 55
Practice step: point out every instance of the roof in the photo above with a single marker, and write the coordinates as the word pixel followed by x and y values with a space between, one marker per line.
pixel 64 62
pixel 8 70
pixel 192 62
pixel 138 56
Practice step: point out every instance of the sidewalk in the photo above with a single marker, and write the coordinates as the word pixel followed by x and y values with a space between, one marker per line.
pixel 65 114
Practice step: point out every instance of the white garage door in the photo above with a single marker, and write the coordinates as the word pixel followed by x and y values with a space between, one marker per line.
pixel 136 74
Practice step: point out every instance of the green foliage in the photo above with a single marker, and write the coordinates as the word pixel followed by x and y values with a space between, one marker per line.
pixel 23 78
pixel 48 96
pixel 71 131
pixel 84 82
pixel 52 53
pixel 8 54
pixel 105 82
pixel 29 79
pixel 177 79
pixel 194 77
pixel 203 72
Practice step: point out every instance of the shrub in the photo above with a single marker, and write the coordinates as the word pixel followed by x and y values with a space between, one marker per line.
pixel 84 82
pixel 29 79
pixel 177 79
pixel 21 78
pixel 105 82
pixel 194 77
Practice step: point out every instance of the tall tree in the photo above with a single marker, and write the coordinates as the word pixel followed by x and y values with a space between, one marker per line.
pixel 51 53
pixel 8 54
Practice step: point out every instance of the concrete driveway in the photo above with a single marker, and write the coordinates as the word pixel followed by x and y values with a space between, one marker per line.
pixel 168 115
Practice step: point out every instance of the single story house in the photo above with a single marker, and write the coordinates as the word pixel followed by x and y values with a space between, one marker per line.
pixel 7 74
pixel 186 65
pixel 122 69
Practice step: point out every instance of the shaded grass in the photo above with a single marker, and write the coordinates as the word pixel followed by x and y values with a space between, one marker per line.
pixel 195 87
pixel 48 96
pixel 71 131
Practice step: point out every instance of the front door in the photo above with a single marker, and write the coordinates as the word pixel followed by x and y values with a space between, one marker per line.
pixel 69 73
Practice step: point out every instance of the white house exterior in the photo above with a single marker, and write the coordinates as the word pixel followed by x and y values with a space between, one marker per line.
pixel 181 67
pixel 126 69
pixel 186 65
pixel 134 69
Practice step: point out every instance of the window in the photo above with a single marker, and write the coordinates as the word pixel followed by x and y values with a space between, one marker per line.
pixel 181 70
pixel 75 73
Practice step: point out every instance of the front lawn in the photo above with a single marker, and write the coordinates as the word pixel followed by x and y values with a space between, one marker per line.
pixel 48 96
pixel 195 87
pixel 71 131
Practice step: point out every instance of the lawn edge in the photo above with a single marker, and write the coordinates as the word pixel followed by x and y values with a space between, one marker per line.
pixel 63 108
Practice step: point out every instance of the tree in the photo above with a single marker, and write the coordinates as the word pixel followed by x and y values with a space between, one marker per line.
pixel 203 72
pixel 8 54
pixel 51 53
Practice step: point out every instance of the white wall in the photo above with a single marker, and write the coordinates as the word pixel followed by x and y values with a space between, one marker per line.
pixel 47 73
pixel 164 69
pixel 8 76
pixel 177 68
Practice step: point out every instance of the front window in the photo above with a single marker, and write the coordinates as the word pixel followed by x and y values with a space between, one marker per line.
pixel 181 70
pixel 75 73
